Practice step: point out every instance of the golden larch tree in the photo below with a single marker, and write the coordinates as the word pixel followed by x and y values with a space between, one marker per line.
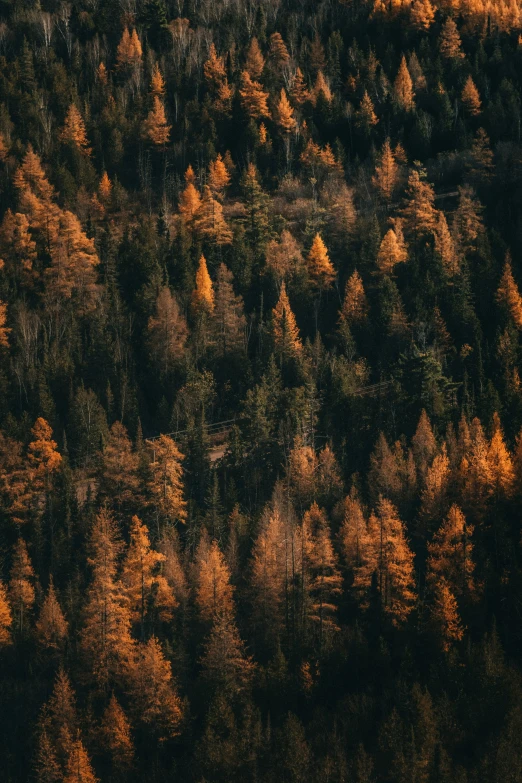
pixel 445 246
pixel 320 268
pixel 255 62
pixel 129 52
pixel 6 618
pixel 228 317
pixel 73 131
pixel 4 330
pixel 189 203
pixel 21 586
pixel 214 68
pixel 225 664
pixel 203 294
pixel 450 45
pixel 467 225
pixel 365 116
pixel 384 477
pixel 392 251
pixel 51 626
pixel 253 97
pixel 115 737
pixel 167 330
pixel 209 221
pixel 419 214
pixel 500 462
pixel 73 263
pixel 434 495
pixel 386 174
pixel 284 114
pixel 298 90
pixel 321 89
pixel 355 303
pixel 424 444
pixel 79 768
pixel 283 256
pixel 353 533
pixel 118 480
pixel 156 128
pixel 450 555
pixel 422 14
pixel 18 249
pixel 403 87
pixel 166 484
pixel 284 327
pixel 214 593
pixel 105 188
pixel 157 82
pixel 278 52
pixel 218 176
pixel 508 295
pixel 470 97
pixel 444 616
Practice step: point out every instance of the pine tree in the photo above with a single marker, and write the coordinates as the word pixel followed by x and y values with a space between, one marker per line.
pixel 353 534
pixel 444 616
pixel 500 462
pixel 214 593
pixel 320 269
pixel 298 90
pixel 470 98
pixel 255 62
pixel 203 294
pixel 422 14
pixel 218 176
pixel 424 444
pixel 508 295
pixel 253 97
pixel 51 626
pixel 143 585
pixel 209 222
pixel 73 131
pixel 284 114
pixel 481 166
pixel 21 586
pixel 189 203
pixel 278 53
pixel 228 319
pixel 386 174
pixel 450 555
pixel 57 726
pixel 450 45
pixel 325 584
pixel 72 272
pixel 119 483
pixel 155 128
pixel 355 303
pixel 214 68
pixel 321 89
pixel 403 87
pixel 365 116
pixel 167 331
pixel 224 663
pixel 435 493
pixel 445 247
pixel 6 619
pixel 115 737
pixel 255 221
pixel 392 251
pixel 384 476
pixel 18 249
pixel 79 769
pixel 284 327
pixel 166 483
pixel 419 213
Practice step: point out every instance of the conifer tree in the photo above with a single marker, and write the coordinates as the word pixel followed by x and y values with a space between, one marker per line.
pixel 21 586
pixel 384 476
pixel 155 128
pixel 324 579
pixel 403 87
pixel 79 768
pixel 57 727
pixel 105 188
pixel 119 483
pixel 218 176
pixel 189 203
pixel 283 256
pixel 129 52
pixel 422 14
pixel 450 555
pixel 214 593
pixel 435 493
pixel 355 303
pixel 419 213
pixel 203 294
pixel 18 249
pixel 320 268
pixel 224 662
pixel 255 62
pixel 365 116
pixel 508 295
pixel 284 114
pixel 424 444
pixel 353 533
pixel 228 319
pixel 278 52
pixel 166 483
pixel 73 131
pixel 470 98
pixel 253 97
pixel 450 45
pixel 157 82
pixel 298 90
pixel 386 172
pixel 392 251
pixel 445 247
pixel 467 223
pixel 321 89
pixel 51 626
pixel 209 222
pixel 167 331
pixel 284 327
pixel 214 68
pixel 500 462
pixel 6 619
pixel 4 330
pixel 444 615
pixel 115 737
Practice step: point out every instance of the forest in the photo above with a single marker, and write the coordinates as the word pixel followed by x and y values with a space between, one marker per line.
pixel 260 391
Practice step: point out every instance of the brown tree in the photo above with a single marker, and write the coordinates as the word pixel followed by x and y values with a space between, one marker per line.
pixel 392 251
pixel 450 45
pixel 167 331
pixel 450 555
pixel 51 626
pixel 403 87
pixel 166 483
pixel 508 295
pixel 253 97
pixel 284 114
pixel 203 294
pixel 228 319
pixel 386 174
pixel 119 483
pixel 355 303
pixel 73 131
pixel 214 593
pixel 470 98
pixel 284 327
pixel 21 586
pixel 224 663
pixel 79 768
pixel 155 127
pixel 6 619
pixel 320 268
pixel 115 737
pixel 209 222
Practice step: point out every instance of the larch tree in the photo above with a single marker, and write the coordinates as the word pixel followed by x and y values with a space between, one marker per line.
pixel 209 221
pixel 450 45
pixel 18 250
pixel 500 462
pixel 218 176
pixel 320 268
pixel 355 304
pixel 157 82
pixel 422 14
pixel 403 87
pixel 445 246
pixel 4 330
pixel 321 89
pixel 115 737
pixel 43 457
pixel 73 131
pixel 74 259
pixel 470 98
pixel 424 444
pixel 214 68
pixel 57 727
pixel 255 62
pixel 253 98
pixel 418 213
pixel 392 251
pixel 365 116
pixel 284 327
pixel 444 616
pixel 6 618
pixel 467 224
pixel 203 294
pixel 167 331
pixel 166 483
pixel 299 92
pixel 79 768
pixel 129 52
pixel 145 587
pixel 21 586
pixel 384 477
pixel 353 538
pixel 105 638
pixel 228 319
pixel 51 626
pixel 284 114
pixel 450 555
pixel 105 188
pixel 118 481
pixel 225 664
pixel 508 295
pixel 155 127
pixel 386 175
pixel 155 701
pixel 268 576
pixel 434 496
pixel 283 256
pixel 214 593
pixel 278 52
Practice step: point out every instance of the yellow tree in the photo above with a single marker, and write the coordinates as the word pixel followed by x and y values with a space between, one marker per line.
pixel 445 246
pixel 156 128
pixel 284 327
pixel 355 303
pixel 255 62
pixel 298 90
pixel 73 131
pixel 72 271
pixel 283 256
pixel 189 203
pixel 4 330
pixel 320 268
pixel 167 330
pixel 403 87
pixel 79 768
pixel 43 457
pixel 105 188
pixel 435 493
pixel 253 97
pixel 51 626
pixel 353 533
pixel 157 82
pixel 386 172
pixel 321 89
pixel 214 68
pixel 21 585
pixel 450 555
pixel 115 737
pixel 218 176
pixel 18 249
pixel 444 616
pixel 419 213
pixel 129 52
pixel 508 295
pixel 365 116
pixel 392 251
pixel 143 584
pixel 203 294
pixel 209 221
pixel 166 484
pixel 422 14
pixel 450 45
pixel 284 114
pixel 470 98
pixel 6 618
pixel 500 462
pixel 214 593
